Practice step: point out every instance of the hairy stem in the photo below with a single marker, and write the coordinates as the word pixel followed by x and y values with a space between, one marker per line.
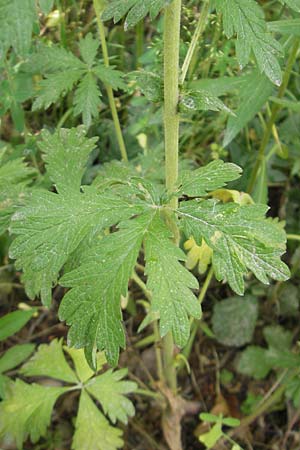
pixel 171 128
pixel 193 45
pixel 274 113
pixel 98 7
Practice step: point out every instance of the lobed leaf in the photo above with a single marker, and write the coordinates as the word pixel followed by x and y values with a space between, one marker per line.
pixel 87 99
pixel 135 10
pixel 213 176
pixel 49 361
pixel 240 237
pixel 92 429
pixel 110 389
pixel 51 226
pixel 201 100
pixel 26 411
pixel 246 19
pixel 170 283
pixel 92 306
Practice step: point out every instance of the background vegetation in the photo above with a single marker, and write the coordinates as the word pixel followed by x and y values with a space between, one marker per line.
pixel 61 68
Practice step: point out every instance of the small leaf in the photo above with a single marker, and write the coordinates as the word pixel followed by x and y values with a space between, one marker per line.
pixel 87 99
pixel 210 438
pixel 234 320
pixel 11 323
pixel 83 370
pixel 252 362
pixel 26 411
pixel 201 101
pixel 88 47
pixel 110 390
pixel 92 430
pixel 277 337
pixel 214 175
pixel 110 76
pixel 49 361
pixel 92 307
pixel 15 356
pixel 16 24
pixel 150 85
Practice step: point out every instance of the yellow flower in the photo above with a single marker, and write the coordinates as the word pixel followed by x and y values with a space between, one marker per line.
pixel 198 255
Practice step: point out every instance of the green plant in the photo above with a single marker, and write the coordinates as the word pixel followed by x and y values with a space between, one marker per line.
pixel 34 416
pixel 90 236
pixel 212 437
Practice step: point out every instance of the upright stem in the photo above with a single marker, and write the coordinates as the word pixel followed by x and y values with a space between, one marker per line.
pixel 274 112
pixel 171 127
pixel 98 7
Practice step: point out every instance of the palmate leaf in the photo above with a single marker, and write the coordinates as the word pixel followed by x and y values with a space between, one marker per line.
pixel 246 19
pixel 26 410
pixel 92 307
pixel 241 239
pixel 170 283
pixel 52 225
pixel 136 10
pixel 64 72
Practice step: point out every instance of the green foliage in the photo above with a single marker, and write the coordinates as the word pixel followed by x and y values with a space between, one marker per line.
pixel 201 101
pixel 211 438
pixel 16 24
pixel 12 358
pixel 169 283
pixel 63 71
pixel 234 320
pixel 11 323
pixel 253 95
pixel 246 19
pixel 136 10
pixel 294 4
pixel 27 408
pixel 258 361
pixel 92 306
pixel 241 238
pixel 52 226
pixel 150 84
pixel 209 178
pixel 15 176
pixel 21 418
